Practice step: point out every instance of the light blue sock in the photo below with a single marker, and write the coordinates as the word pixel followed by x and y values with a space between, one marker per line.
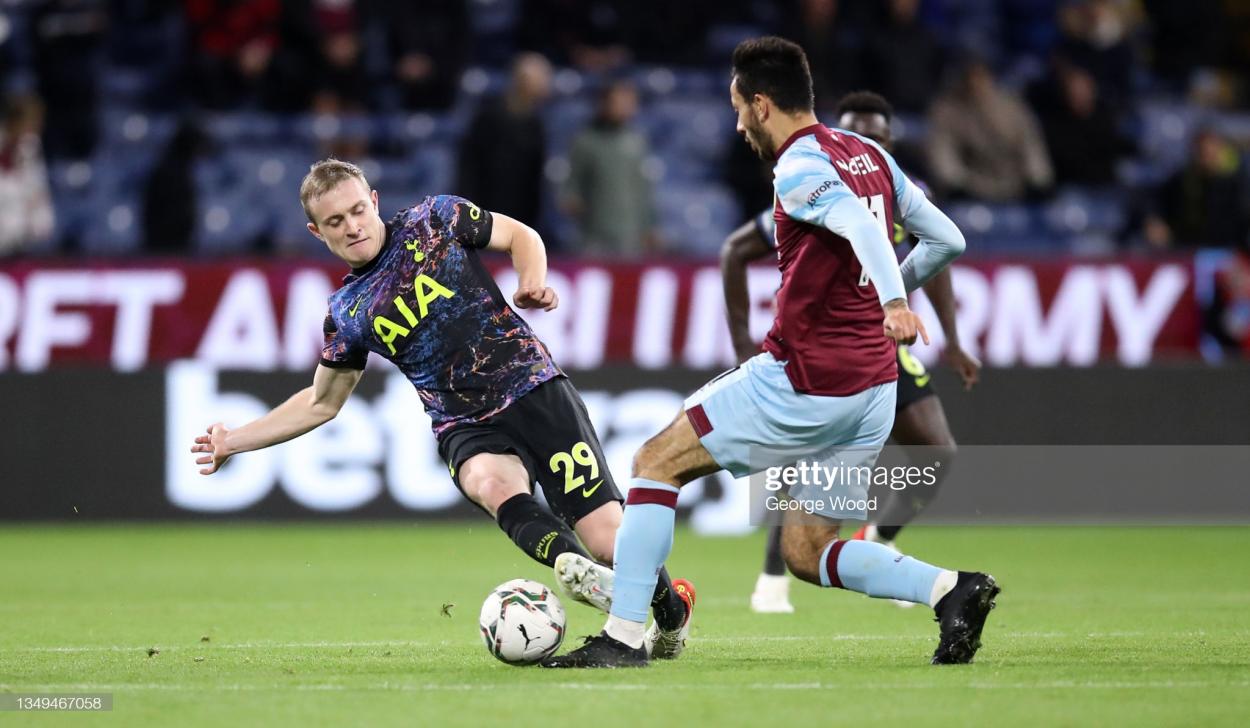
pixel 879 571
pixel 643 542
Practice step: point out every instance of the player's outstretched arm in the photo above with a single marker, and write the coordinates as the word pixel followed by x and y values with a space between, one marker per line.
pixel 529 257
pixel 306 410
pixel 743 245
pixel 942 295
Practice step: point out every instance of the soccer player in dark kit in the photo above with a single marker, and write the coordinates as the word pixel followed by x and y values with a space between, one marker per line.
pixel 504 414
pixel 824 387
pixel 919 419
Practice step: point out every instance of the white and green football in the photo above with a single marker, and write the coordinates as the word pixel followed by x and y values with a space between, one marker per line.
pixel 522 622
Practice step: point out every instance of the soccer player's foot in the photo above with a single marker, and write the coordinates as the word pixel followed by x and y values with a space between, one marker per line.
pixel 961 615
pixel 600 651
pixel 668 644
pixel 772 595
pixel 584 580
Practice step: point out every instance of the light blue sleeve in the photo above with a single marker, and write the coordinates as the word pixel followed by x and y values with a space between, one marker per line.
pixel 938 238
pixel 810 190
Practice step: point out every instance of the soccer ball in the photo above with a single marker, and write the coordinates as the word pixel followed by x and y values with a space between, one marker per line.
pixel 522 622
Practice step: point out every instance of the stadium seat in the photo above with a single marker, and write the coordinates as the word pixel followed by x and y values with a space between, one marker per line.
pixel 695 220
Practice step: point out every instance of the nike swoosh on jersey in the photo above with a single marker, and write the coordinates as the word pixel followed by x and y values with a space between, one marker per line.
pixel 591 491
pixel 352 311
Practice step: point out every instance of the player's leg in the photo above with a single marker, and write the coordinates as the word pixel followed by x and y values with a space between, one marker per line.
pixel 814 552
pixel 962 600
pixel 594 584
pixel 500 484
pixel 661 466
pixel 552 425
pixel 486 465
pixel 666 462
pixel 597 530
pixel 921 424
pixel 919 421
pixel 772 588
pixel 803 538
pixel 490 479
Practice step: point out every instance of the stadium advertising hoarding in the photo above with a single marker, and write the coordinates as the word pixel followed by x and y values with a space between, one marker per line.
pixel 1153 444
pixel 267 315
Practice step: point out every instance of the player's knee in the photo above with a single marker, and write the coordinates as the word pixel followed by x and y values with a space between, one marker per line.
pixel 801 555
pixel 945 452
pixel 491 490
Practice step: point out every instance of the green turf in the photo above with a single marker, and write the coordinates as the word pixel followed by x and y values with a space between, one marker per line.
pixel 341 625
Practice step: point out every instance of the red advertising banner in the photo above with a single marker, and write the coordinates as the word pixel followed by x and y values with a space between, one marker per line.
pixel 267 315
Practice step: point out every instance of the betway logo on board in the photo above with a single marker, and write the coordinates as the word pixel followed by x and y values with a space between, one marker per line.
pixel 269 317
pixel 382 446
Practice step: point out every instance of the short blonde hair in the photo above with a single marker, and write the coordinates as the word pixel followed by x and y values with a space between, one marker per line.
pixel 325 176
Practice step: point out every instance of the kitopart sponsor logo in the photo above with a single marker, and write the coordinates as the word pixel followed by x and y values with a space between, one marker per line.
pixel 822 189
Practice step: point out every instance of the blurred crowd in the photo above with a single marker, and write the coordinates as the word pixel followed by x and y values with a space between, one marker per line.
pixel 1006 101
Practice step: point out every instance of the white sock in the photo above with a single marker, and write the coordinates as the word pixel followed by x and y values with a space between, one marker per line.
pixel 942 586
pixel 774 582
pixel 623 630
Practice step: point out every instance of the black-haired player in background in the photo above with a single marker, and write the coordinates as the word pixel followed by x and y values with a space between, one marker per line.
pixel 919 419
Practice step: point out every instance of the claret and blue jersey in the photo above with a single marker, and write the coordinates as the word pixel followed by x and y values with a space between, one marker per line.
pixel 838 196
pixel 428 304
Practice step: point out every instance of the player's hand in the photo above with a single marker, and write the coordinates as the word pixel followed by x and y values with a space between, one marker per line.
pixel 544 298
pixel 967 365
pixel 902 324
pixel 214 444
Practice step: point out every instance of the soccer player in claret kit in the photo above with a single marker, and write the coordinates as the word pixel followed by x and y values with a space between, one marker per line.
pixel 504 414
pixel 919 420
pixel 827 376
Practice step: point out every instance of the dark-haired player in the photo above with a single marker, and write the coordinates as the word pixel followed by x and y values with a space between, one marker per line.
pixel 919 419
pixel 826 379
pixel 504 414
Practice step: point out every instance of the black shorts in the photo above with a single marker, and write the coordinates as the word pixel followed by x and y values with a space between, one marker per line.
pixel 913 381
pixel 549 430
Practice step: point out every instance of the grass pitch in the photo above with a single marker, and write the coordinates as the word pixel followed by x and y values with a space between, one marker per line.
pixel 343 625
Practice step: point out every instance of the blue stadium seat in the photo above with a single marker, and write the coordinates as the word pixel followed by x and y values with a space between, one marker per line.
pixel 71 185
pixel 1165 131
pixel 229 221
pixel 1001 227
pixel 113 218
pixel 1082 212
pixel 564 119
pixel 315 129
pixel 433 170
pixel 691 135
pixel 696 219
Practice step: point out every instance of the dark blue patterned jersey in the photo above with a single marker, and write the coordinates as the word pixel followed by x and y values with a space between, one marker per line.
pixel 427 304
